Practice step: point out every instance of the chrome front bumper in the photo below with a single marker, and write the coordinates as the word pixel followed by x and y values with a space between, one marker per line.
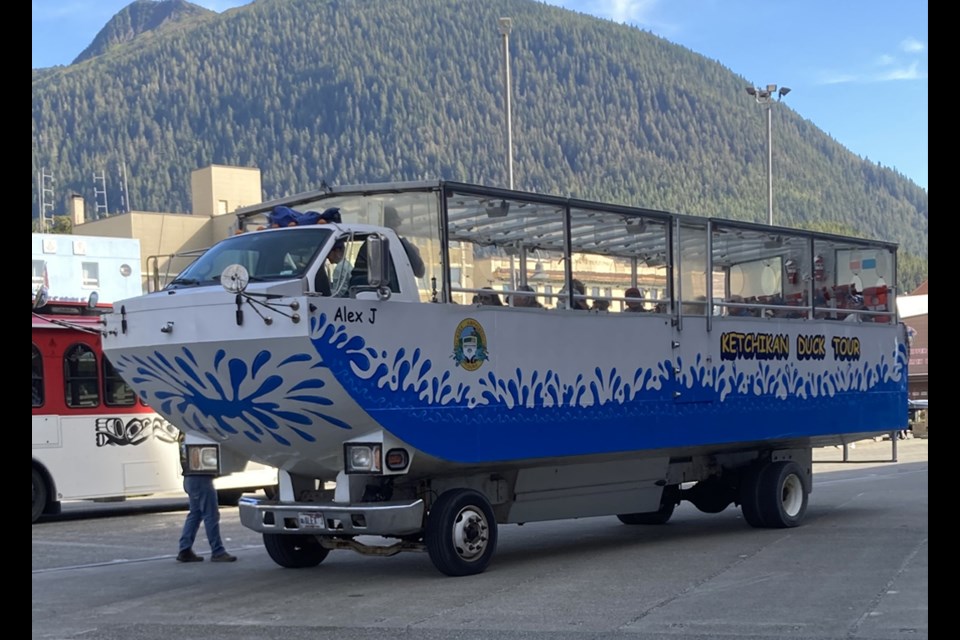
pixel 329 518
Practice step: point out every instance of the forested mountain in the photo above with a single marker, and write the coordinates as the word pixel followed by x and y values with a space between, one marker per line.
pixel 142 17
pixel 350 91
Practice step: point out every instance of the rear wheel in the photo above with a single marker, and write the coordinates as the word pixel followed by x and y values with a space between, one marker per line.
pixel 749 494
pixel 294 551
pixel 40 493
pixel 461 533
pixel 782 495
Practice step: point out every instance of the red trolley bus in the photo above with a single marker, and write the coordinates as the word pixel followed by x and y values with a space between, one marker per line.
pixel 93 439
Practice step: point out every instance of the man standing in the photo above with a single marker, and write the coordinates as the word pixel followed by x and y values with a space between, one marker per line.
pixel 340 282
pixel 392 219
pixel 635 303
pixel 204 508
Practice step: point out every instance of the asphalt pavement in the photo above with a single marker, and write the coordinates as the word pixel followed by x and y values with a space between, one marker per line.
pixel 857 569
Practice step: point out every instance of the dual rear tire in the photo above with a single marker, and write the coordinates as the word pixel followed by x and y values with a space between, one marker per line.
pixel 774 495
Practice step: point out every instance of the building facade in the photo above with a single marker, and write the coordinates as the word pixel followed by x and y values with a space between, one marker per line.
pixel 72 267
pixel 217 191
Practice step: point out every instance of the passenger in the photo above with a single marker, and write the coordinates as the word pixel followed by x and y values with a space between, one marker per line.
pixel 854 302
pixel 637 304
pixel 579 290
pixel 526 299
pixel 856 297
pixel 490 298
pixel 340 282
pixel 740 312
pixel 778 300
pixel 822 300
pixel 600 305
pixel 392 219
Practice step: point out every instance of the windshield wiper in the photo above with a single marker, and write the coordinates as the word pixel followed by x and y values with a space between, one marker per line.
pixel 185 281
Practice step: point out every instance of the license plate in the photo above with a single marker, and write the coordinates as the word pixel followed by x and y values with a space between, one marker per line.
pixel 310 520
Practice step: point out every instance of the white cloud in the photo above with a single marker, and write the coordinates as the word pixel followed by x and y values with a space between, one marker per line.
pixel 632 11
pixel 912 45
pixel 896 73
pixel 635 12
pixel 894 68
pixel 911 72
pixel 836 77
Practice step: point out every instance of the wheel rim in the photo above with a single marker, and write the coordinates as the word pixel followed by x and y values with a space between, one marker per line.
pixel 792 495
pixel 470 534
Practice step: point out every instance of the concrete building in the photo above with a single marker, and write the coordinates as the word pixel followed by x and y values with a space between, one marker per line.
pixel 216 191
pixel 74 266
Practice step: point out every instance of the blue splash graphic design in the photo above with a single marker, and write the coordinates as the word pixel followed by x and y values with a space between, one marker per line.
pixel 227 396
pixel 603 411
pixel 526 413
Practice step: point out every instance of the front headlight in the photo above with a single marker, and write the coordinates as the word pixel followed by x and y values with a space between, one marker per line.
pixel 202 458
pixel 362 457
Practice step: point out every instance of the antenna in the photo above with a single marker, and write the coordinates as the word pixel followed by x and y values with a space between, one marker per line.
pixel 101 192
pixel 124 199
pixel 46 198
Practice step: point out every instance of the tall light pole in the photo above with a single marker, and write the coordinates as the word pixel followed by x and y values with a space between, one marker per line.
pixel 764 98
pixel 505 25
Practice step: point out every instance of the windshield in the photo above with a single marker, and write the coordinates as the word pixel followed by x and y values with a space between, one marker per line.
pixel 281 254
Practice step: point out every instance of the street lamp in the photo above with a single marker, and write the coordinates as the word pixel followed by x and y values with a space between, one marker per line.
pixel 505 25
pixel 764 97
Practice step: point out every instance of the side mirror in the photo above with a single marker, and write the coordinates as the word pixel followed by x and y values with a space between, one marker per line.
pixel 92 300
pixel 41 298
pixel 378 263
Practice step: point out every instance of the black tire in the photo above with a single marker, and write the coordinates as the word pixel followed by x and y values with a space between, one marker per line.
pixel 229 497
pixel 294 551
pixel 749 494
pixel 461 533
pixel 782 495
pixel 272 492
pixel 40 493
pixel 652 517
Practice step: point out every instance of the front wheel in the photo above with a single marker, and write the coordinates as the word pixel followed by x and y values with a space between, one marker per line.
pixel 229 497
pixel 461 533
pixel 782 495
pixel 294 551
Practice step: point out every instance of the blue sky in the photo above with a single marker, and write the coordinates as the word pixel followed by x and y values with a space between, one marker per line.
pixel 857 69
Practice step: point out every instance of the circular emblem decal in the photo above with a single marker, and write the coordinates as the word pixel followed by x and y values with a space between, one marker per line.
pixel 470 345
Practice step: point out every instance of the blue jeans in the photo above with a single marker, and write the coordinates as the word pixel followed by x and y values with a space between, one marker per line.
pixel 203 508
